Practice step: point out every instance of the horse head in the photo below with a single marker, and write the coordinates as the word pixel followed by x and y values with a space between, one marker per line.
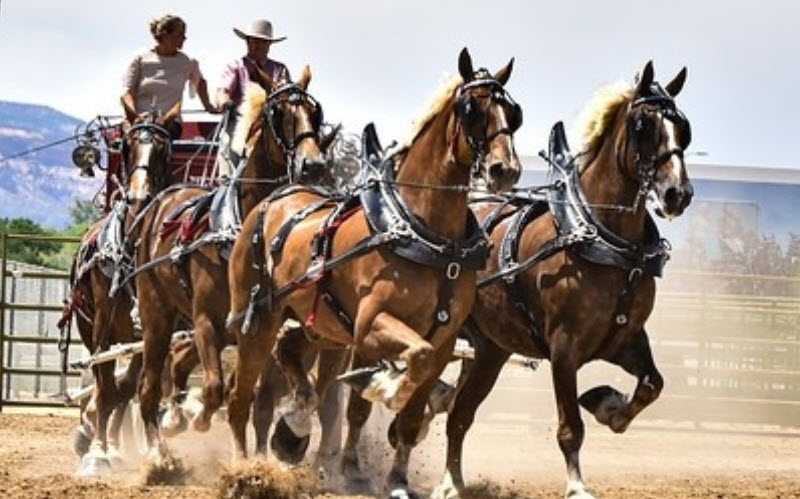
pixel 657 134
pixel 147 149
pixel 294 119
pixel 487 117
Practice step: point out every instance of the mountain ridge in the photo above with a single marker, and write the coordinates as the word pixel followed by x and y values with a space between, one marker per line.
pixel 41 185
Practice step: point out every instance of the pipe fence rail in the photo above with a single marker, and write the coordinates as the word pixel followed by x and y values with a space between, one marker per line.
pixel 726 357
pixel 31 300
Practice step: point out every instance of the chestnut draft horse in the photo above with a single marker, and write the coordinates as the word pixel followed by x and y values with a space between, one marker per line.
pixel 181 274
pixel 395 267
pixel 576 284
pixel 103 310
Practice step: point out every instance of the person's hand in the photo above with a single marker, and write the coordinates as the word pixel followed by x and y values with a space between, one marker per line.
pixel 228 106
pixel 212 109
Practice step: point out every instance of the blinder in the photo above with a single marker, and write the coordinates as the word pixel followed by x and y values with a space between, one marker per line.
pixel 146 133
pixel 638 128
pixel 475 118
pixel 296 96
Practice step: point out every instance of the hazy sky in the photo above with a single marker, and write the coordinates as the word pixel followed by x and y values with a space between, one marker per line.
pixel 379 61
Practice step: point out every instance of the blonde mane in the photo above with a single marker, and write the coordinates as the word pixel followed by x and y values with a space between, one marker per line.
pixel 597 117
pixel 249 111
pixel 435 105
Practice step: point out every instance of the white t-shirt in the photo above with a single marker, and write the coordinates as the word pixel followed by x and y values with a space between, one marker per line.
pixel 151 76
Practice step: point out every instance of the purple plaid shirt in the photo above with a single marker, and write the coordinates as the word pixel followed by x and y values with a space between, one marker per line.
pixel 235 78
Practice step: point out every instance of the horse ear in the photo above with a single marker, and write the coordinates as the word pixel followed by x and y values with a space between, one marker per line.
pixel 674 87
pixel 305 77
pixel 503 75
pixel 465 65
pixel 645 79
pixel 326 140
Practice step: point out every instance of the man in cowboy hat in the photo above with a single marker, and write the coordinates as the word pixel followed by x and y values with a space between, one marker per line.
pixel 244 70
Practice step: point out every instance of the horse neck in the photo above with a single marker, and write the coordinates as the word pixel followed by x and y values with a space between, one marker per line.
pixel 604 183
pixel 264 162
pixel 428 161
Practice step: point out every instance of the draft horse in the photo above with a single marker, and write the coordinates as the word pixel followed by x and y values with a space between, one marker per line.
pixel 182 270
pixel 102 309
pixel 392 273
pixel 572 280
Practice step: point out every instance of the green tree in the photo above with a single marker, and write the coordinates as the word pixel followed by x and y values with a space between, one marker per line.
pixel 33 252
pixel 83 214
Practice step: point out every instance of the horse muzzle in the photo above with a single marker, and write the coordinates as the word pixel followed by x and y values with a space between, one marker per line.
pixel 501 176
pixel 673 200
pixel 310 170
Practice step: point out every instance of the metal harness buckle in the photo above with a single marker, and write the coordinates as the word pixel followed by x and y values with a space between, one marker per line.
pixel 453 270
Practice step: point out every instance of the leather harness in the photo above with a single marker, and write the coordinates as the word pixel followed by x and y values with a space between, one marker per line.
pixel 578 230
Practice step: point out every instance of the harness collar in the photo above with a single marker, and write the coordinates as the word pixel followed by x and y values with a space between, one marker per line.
pixel 594 241
pixel 386 212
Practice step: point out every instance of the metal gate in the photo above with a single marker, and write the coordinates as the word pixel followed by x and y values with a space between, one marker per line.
pixel 31 300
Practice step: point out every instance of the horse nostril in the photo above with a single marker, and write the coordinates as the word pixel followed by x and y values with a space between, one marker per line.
pixel 672 196
pixel 496 170
pixel 312 168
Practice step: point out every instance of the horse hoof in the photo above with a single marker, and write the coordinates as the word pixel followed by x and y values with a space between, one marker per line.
pixel 591 399
pixel 287 446
pixel 607 405
pixel 357 481
pixel 115 457
pixel 92 465
pixel 173 423
pixel 401 493
pixel 201 424
pixel 82 439
pixel 445 492
pixel 359 379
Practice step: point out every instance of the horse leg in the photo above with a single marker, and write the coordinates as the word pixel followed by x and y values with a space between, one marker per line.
pixel 413 420
pixel 252 351
pixel 185 358
pixel 612 408
pixel 208 347
pixel 358 411
pixel 271 387
pixel 126 389
pixel 387 385
pixel 96 462
pixel 293 429
pixel 475 383
pixel 329 365
pixel 570 425
pixel 157 330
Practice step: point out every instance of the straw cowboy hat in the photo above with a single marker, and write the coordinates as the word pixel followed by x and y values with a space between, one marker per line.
pixel 260 28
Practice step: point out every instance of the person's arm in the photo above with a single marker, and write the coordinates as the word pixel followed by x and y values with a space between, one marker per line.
pixel 130 82
pixel 172 113
pixel 129 107
pixel 224 99
pixel 202 92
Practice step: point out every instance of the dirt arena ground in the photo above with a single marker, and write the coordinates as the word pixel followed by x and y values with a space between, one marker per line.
pixel 508 460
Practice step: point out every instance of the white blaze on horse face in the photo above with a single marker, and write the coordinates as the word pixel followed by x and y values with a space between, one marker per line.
pixel 140 183
pixel 670 173
pixel 675 163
